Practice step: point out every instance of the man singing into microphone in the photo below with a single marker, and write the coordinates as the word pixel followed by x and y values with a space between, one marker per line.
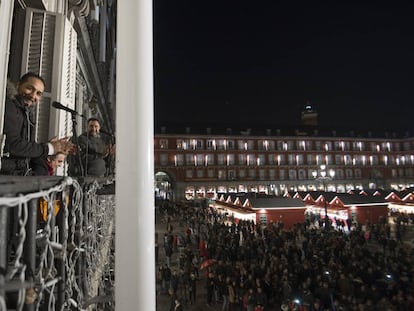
pixel 22 155
pixel 93 150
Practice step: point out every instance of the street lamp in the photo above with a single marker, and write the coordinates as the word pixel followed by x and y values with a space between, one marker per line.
pixel 323 175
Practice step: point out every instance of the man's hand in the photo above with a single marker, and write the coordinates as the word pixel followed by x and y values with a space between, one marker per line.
pixel 109 151
pixel 112 150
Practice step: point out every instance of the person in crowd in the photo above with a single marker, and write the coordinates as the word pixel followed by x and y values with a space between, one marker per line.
pixel 157 249
pixel 193 288
pixel 93 151
pixel 53 162
pixel 178 306
pixel 22 155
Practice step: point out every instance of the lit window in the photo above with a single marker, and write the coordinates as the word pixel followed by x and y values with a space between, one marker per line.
pixel 179 160
pixel 386 160
pixel 364 160
pixel 211 144
pixel 250 159
pixel 230 144
pixel 182 144
pixel 163 143
pixel 230 159
pixel 222 144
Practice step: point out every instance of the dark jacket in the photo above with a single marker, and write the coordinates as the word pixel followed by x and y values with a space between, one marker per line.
pixel 22 155
pixel 91 149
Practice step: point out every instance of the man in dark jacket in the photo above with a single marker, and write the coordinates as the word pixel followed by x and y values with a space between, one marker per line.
pixel 93 151
pixel 21 154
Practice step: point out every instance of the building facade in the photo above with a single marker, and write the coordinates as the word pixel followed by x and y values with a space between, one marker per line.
pixel 195 164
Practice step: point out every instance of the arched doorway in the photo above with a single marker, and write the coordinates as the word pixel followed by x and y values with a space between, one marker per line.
pixel 163 186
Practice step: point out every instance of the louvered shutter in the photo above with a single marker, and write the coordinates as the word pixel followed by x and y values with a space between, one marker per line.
pixel 67 86
pixel 50 50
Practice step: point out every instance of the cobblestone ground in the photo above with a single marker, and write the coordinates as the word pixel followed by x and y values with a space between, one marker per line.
pixel 164 299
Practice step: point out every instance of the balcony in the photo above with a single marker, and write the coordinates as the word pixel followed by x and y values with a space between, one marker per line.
pixel 56 243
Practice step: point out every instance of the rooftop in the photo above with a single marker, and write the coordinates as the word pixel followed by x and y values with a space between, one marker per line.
pixel 272 130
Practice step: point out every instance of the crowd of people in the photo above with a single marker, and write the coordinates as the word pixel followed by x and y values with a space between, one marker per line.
pixel 270 268
pixel 24 156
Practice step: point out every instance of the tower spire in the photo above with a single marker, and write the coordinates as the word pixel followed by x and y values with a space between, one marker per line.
pixel 309 115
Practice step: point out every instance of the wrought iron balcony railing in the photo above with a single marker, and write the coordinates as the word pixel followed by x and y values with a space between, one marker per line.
pixel 56 243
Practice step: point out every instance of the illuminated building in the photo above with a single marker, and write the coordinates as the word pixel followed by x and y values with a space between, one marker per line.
pixel 202 163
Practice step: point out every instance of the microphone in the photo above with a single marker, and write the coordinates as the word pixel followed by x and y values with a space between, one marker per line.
pixel 58 105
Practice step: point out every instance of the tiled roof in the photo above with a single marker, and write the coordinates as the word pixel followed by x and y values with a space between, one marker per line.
pixel 276 202
pixel 349 199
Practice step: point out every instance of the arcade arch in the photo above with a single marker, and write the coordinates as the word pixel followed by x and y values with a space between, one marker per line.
pixel 163 186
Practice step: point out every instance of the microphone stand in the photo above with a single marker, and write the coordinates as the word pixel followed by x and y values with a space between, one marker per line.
pixel 109 157
pixel 74 123
pixel 87 152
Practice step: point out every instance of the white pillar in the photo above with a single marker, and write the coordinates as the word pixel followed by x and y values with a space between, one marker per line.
pixel 134 256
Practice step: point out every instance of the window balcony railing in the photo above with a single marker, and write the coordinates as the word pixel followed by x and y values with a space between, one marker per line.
pixel 56 243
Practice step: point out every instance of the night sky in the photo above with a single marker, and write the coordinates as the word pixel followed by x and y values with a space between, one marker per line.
pixel 261 62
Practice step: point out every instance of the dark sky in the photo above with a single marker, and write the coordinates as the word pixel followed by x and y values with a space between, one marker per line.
pixel 260 62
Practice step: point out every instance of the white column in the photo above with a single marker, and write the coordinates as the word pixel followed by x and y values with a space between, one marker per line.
pixel 134 257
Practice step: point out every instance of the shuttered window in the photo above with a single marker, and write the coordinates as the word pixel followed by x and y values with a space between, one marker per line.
pixel 50 49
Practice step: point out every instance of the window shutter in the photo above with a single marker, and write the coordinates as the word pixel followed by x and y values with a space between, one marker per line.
pixel 68 85
pixel 50 49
